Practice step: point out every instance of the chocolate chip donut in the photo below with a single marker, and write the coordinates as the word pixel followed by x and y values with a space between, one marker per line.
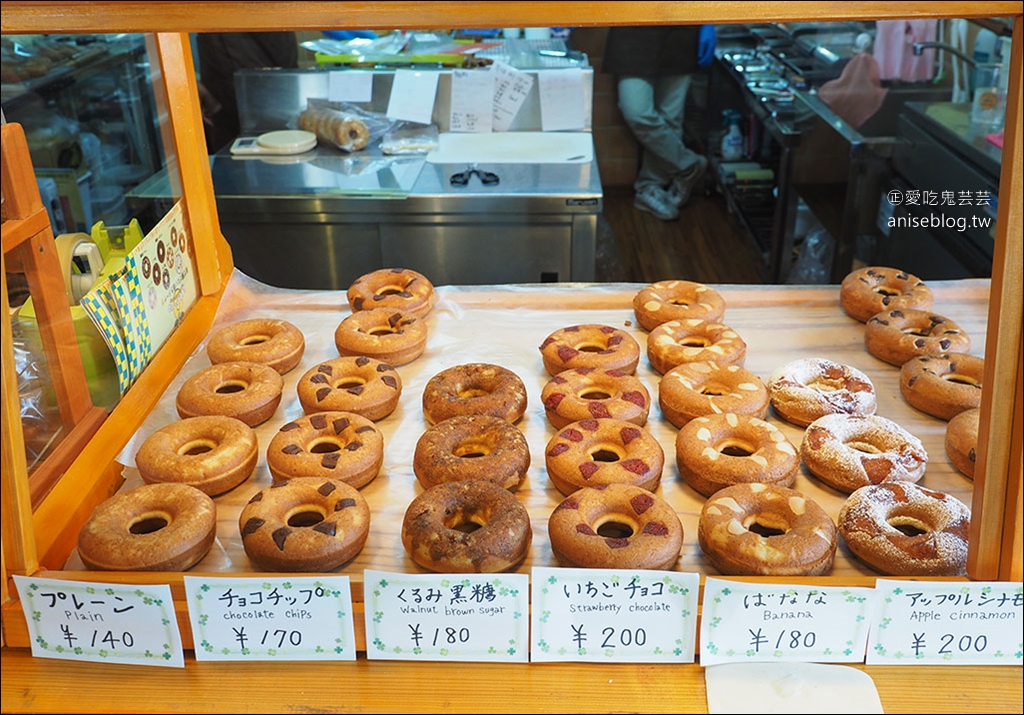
pixel 331 445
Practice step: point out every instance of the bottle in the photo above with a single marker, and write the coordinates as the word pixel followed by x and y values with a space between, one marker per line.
pixel 732 142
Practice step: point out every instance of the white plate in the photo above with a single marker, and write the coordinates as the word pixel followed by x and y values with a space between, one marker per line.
pixel 284 141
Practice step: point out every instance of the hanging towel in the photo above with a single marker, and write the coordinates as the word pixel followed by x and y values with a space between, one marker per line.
pixel 894 51
pixel 857 93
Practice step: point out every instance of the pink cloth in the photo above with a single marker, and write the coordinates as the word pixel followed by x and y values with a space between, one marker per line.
pixel 857 93
pixel 893 48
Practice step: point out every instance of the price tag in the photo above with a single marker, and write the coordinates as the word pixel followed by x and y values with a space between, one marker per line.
pixel 289 618
pixel 947 623
pixel 456 617
pixel 101 622
pixel 748 622
pixel 612 616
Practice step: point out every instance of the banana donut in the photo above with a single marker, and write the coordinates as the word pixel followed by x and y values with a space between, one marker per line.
pixel 718 451
pixel 591 345
pixel 248 391
pixel 399 288
pixel 615 526
pixel 896 336
pixel 667 300
pixel 588 393
pixel 363 385
pixel 803 390
pixel 696 389
pixel 472 447
pixel 304 524
pixel 385 334
pixel 694 340
pixel 903 529
pixel 276 343
pixel 155 527
pixel 472 526
pixel 961 440
pixel 474 389
pixel 213 453
pixel 766 530
pixel 604 451
pixel 870 290
pixel 945 385
pixel 343 446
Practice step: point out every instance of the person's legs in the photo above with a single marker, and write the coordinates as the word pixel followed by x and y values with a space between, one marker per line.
pixel 637 104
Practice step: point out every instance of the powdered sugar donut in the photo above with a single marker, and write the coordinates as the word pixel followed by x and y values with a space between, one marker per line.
pixel 803 390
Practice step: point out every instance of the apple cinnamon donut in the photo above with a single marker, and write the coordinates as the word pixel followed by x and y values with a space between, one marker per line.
pixel 803 390
pixel 363 385
pixel 943 385
pixel 697 389
pixel 385 334
pixel 398 288
pixel 467 447
pixel 247 391
pixel 961 441
pixel 896 336
pixel 870 290
pixel 589 393
pixel 474 389
pixel 667 300
pixel 591 345
pixel 276 343
pixel 694 340
pixel 593 452
pixel 343 446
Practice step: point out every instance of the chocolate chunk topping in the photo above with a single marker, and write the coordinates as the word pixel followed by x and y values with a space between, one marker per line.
pixel 390 381
pixel 280 536
pixel 340 425
pixel 291 449
pixel 326 527
pixel 326 369
pixel 354 390
pixel 290 426
pixel 326 488
pixel 319 379
pixel 252 525
pixel 330 461
pixel 362 360
pixel 322 393
pixel 318 422
pixel 353 446
pixel 366 428
pixel 345 503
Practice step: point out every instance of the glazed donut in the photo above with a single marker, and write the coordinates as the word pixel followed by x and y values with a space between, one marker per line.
pixel 696 389
pixel 304 524
pixel 803 390
pixel 399 288
pixel 720 450
pixel 680 341
pixel 472 526
pixel 961 440
pixel 342 446
pixel 248 391
pixel 615 526
pixel 213 453
pixel 766 530
pixel 588 393
pixel 667 300
pixel 903 529
pixel 155 527
pixel 943 386
pixel 604 451
pixel 852 451
pixel 363 385
pixel 599 346
pixel 870 290
pixel 276 343
pixel 384 334
pixel 474 389
pixel 467 447
pixel 896 336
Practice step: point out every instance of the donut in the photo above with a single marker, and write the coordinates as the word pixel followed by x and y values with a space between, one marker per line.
pixel 351 134
pixel 467 447
pixel 362 385
pixel 667 300
pixel 473 526
pixel 342 446
pixel 696 389
pixel 399 288
pixel 766 530
pixel 903 529
pixel 276 343
pixel 805 389
pixel 591 345
pixel 943 385
pixel 961 440
pixel 593 452
pixel 896 336
pixel 155 527
pixel 720 450
pixel 615 526
pixel 304 524
pixel 852 451
pixel 870 290
pixel 694 340
pixel 385 334
pixel 589 393
pixel 212 453
pixel 474 389
pixel 248 391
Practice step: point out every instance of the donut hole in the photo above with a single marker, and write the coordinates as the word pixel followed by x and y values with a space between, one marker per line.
pixel 465 523
pixel 605 453
pixel 471 450
pixel 734 447
pixel 467 391
pixel 615 526
pixel 591 347
pixel 715 390
pixel 823 383
pixel 681 302
pixel 594 393
pixel 254 340
pixel 886 291
pixel 380 330
pixel 230 387
pixel 390 289
pixel 349 382
pixel 304 516
pixel 865 447
pixel 196 447
pixel 694 341
pixel 765 525
pixel 961 379
pixel 324 446
pixel 908 525
pixel 149 522
pixel 917 330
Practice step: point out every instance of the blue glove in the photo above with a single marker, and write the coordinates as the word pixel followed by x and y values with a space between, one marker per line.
pixel 706 45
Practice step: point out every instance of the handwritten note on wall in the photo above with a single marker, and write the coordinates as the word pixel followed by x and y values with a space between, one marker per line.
pixel 472 91
pixel 561 99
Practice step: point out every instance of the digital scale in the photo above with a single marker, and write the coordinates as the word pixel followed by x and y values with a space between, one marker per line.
pixel 277 143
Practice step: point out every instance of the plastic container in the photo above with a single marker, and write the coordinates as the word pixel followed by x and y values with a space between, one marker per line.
pixel 732 142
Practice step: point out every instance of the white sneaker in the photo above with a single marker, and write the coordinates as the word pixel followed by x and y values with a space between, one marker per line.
pixel 681 188
pixel 656 202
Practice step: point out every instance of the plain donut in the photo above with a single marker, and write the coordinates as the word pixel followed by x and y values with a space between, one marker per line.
pixel 276 343
pixel 248 391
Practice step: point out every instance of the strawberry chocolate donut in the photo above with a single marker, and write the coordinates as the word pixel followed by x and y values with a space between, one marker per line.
pixel 474 389
pixel 467 447
pixel 333 445
pixel 869 291
pixel 276 343
pixel 363 385
pixel 397 288
pixel 694 340
pixel 803 390
pixel 590 393
pixel 248 391
pixel 597 346
pixel 896 336
pixel 697 389
pixel 667 300
pixel 604 451
pixel 385 334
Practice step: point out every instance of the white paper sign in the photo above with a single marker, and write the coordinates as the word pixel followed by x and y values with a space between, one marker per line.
pixel 511 87
pixel 412 96
pixel 947 623
pixel 561 99
pixel 101 622
pixel 472 99
pixel 285 618
pixel 349 86
pixel 454 617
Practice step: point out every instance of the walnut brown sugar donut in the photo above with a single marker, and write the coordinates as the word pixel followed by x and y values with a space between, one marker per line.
pixel 717 451
pixel 590 345
pixel 472 526
pixel 363 385
pixel 615 526
pixel 589 393
pixel 604 451
pixel 248 391
pixel 304 524
pixel 667 300
pixel 871 290
pixel 697 389
pixel 398 288
pixel 903 529
pixel 467 447
pixel 766 530
pixel 276 343
pixel 474 389
pixel 155 527
pixel 852 451
pixel 213 453
pixel 896 336
pixel 385 334
pixel 343 446
pixel 803 390
pixel 961 441
pixel 681 341
pixel 943 386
